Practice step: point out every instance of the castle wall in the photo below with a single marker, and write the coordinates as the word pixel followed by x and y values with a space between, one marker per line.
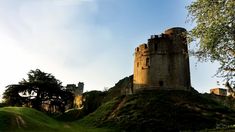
pixel 219 91
pixel 163 62
pixel 77 92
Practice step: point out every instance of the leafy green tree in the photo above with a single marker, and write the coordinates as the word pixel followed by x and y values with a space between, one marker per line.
pixel 41 91
pixel 215 33
pixel 92 100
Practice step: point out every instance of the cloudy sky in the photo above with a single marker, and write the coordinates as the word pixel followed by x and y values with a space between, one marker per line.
pixel 91 41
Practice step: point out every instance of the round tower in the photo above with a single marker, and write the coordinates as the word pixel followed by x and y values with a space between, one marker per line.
pixel 163 62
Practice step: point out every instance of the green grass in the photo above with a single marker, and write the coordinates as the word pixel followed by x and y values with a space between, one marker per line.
pixel 28 119
pixel 98 117
pixel 20 118
pixel 161 110
pixel 147 111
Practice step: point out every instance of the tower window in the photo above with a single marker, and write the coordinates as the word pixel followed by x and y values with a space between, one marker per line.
pixel 145 46
pixel 161 83
pixel 156 47
pixel 147 62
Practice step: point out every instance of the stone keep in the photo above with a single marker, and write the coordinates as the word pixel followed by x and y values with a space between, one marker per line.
pixel 163 62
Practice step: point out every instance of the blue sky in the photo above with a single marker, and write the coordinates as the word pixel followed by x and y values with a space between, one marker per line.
pixel 86 40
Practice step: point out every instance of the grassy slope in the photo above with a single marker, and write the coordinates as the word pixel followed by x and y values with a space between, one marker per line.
pixel 98 117
pixel 162 110
pixel 149 111
pixel 17 118
pixel 27 119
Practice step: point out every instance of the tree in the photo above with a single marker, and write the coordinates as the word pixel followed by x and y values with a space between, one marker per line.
pixel 215 33
pixel 11 96
pixel 92 100
pixel 41 91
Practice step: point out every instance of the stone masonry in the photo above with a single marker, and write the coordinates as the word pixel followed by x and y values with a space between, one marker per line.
pixel 163 62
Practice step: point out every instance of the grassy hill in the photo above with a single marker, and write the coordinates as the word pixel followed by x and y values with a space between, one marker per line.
pixel 20 118
pixel 28 119
pixel 162 110
pixel 147 111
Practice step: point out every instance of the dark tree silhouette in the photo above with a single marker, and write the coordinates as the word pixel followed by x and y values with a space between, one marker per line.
pixel 41 91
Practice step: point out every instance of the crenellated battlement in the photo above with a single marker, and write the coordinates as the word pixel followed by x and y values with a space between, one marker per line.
pixel 153 40
pixel 171 42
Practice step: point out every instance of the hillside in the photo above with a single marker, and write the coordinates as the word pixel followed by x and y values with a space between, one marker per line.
pixel 147 111
pixel 28 119
pixel 20 118
pixel 162 110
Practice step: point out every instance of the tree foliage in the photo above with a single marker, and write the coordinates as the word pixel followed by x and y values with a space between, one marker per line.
pixel 41 91
pixel 215 33
pixel 92 100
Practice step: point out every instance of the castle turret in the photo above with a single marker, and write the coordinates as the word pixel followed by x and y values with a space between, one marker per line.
pixel 163 62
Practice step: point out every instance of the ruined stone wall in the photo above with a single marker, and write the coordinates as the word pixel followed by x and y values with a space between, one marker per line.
pixel 219 91
pixel 163 62
pixel 77 92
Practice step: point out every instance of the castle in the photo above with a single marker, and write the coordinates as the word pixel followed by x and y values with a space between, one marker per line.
pixel 77 91
pixel 163 62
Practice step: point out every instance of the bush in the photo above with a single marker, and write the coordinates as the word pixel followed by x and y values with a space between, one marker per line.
pixel 3 105
pixel 71 115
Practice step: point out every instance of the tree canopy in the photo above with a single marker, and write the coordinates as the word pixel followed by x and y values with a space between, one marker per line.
pixel 215 33
pixel 41 91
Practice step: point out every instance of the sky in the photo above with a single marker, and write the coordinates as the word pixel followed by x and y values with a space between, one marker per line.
pixel 91 41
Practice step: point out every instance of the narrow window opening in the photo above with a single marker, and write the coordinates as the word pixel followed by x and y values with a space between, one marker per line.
pixel 156 47
pixel 145 46
pixel 147 62
pixel 161 83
